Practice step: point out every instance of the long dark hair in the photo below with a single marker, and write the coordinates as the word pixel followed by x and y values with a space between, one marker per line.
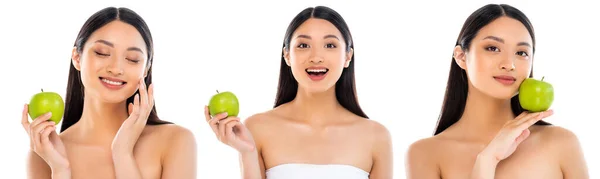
pixel 455 98
pixel 75 88
pixel 345 88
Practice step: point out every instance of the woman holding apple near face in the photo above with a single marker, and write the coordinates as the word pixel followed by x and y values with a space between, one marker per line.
pixel 317 128
pixel 483 132
pixel 110 127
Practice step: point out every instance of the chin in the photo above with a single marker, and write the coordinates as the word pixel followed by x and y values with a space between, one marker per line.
pixel 316 88
pixel 502 94
pixel 113 98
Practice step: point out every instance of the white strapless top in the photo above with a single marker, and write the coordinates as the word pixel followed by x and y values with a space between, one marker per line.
pixel 315 171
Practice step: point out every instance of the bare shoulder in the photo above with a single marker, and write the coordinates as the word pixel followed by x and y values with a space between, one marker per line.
pixel 258 119
pixel 564 145
pixel 421 158
pixel 266 121
pixel 423 148
pixel 170 130
pixel 169 134
pixel 556 136
pixel 425 151
pixel 378 131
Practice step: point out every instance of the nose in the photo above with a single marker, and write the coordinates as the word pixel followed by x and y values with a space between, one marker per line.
pixel 316 56
pixel 114 67
pixel 508 63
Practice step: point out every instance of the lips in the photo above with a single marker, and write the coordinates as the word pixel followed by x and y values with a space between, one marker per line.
pixel 317 71
pixel 112 81
pixel 506 80
pixel 504 77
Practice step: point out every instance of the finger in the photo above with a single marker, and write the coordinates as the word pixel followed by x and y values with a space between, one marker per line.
pixel 214 122
pixel 525 117
pixel 37 132
pixel 40 128
pixel 143 93
pixel 143 106
pixel 151 96
pixel 36 122
pixel 206 113
pixel 243 131
pixel 136 107
pixel 25 118
pixel 229 134
pixel 529 121
pixel 523 114
pixel 45 137
pixel 217 118
pixel 223 124
pixel 523 136
pixel 40 119
pixel 130 108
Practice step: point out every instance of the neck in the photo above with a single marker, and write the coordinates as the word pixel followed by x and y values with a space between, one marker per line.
pixel 484 114
pixel 100 121
pixel 315 107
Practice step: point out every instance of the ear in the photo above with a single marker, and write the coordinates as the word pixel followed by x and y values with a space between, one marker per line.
pixel 76 59
pixel 460 57
pixel 286 56
pixel 348 57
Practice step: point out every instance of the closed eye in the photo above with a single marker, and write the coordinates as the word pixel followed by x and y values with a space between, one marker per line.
pixel 134 61
pixel 101 54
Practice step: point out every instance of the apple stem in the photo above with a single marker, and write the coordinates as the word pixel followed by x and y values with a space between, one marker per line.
pixel 217 91
pixel 542 78
pixel 42 89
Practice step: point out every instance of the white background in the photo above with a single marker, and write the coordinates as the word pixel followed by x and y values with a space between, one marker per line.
pixel 402 51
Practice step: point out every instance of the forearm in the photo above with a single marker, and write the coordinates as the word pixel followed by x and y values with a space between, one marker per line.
pixel 126 167
pixel 250 165
pixel 484 168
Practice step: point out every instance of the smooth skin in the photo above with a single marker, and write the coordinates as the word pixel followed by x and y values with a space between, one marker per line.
pixel 109 141
pixel 489 142
pixel 313 128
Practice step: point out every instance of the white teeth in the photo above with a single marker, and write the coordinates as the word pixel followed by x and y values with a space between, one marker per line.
pixel 316 70
pixel 112 82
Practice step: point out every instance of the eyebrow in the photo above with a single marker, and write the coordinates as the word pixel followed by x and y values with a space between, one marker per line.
pixel 502 41
pixel 113 45
pixel 308 37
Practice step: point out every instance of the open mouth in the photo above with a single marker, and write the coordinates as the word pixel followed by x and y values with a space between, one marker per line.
pixel 317 71
pixel 112 81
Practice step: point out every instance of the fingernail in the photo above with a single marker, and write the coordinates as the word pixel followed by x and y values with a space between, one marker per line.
pixel 49 113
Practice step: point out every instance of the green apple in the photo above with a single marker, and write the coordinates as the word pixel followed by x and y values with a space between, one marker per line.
pixel 224 102
pixel 44 102
pixel 536 95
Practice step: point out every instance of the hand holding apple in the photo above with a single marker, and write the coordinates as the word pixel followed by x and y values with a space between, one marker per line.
pixel 224 108
pixel 45 142
pixel 230 131
pixel 536 95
